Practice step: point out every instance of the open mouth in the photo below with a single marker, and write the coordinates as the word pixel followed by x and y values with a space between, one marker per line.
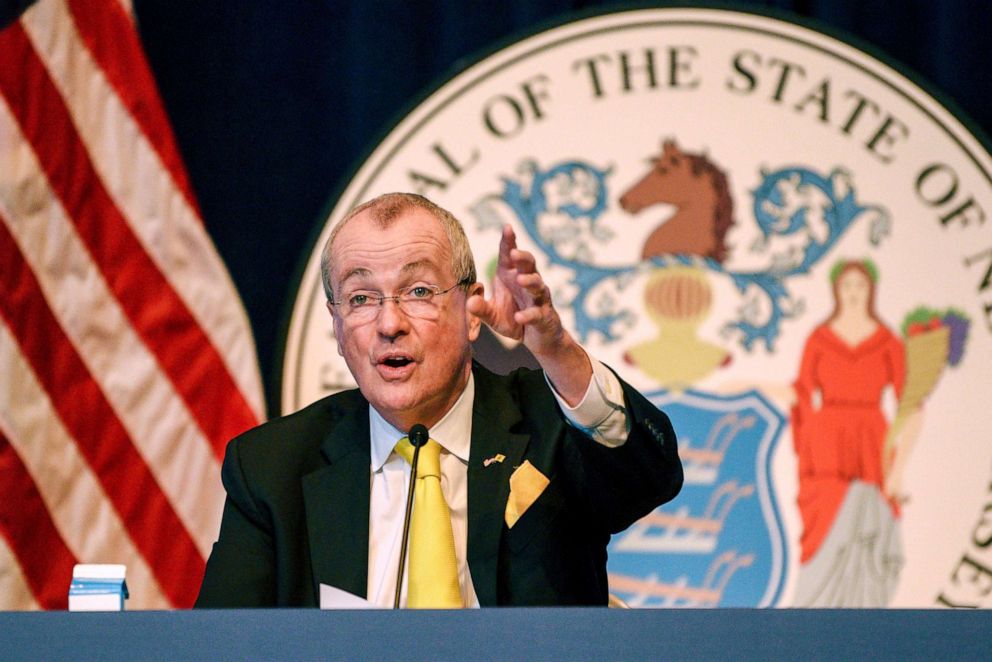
pixel 394 365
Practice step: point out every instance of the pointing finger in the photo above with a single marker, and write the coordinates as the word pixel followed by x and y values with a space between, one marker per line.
pixel 507 244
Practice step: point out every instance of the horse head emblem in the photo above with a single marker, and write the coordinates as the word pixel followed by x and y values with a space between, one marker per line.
pixel 701 195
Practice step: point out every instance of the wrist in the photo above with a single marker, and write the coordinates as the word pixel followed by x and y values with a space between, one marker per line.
pixel 568 368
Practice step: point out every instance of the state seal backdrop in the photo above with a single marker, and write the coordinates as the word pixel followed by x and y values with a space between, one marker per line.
pixel 779 239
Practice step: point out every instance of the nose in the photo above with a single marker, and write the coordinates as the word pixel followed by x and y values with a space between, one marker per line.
pixel 391 321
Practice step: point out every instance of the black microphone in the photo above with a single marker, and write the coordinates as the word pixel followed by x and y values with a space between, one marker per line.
pixel 418 436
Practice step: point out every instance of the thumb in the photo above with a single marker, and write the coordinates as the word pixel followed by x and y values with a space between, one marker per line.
pixel 478 306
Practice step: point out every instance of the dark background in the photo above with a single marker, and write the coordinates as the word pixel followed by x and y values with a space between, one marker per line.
pixel 275 103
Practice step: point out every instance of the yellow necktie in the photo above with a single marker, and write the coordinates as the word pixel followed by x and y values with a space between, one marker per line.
pixel 432 570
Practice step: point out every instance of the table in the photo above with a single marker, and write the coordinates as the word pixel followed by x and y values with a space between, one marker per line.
pixel 517 634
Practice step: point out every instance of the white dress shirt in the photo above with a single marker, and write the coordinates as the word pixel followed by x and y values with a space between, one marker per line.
pixel 600 414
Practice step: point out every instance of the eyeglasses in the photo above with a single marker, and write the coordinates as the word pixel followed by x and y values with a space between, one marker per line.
pixel 415 301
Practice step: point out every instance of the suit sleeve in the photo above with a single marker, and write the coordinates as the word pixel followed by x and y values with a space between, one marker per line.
pixel 240 570
pixel 621 484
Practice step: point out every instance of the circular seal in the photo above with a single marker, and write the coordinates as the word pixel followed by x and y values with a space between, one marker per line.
pixel 780 240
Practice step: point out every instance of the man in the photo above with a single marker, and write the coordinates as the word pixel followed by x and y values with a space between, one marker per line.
pixel 537 468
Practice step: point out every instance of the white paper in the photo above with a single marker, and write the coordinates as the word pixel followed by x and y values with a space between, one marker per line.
pixel 99 571
pixel 96 602
pixel 331 597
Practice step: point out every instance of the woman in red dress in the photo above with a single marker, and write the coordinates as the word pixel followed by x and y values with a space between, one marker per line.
pixel 850 546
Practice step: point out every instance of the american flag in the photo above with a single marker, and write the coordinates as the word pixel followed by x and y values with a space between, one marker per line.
pixel 126 359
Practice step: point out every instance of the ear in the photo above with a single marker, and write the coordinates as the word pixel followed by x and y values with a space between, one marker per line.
pixel 338 327
pixel 474 322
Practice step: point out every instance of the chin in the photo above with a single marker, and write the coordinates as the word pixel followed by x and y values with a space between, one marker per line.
pixel 400 401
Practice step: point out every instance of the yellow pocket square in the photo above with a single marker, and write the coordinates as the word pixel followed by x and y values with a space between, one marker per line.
pixel 526 484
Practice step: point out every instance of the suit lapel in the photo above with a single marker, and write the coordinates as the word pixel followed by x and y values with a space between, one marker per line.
pixel 336 498
pixel 494 413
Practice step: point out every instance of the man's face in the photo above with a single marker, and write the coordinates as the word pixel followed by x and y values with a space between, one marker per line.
pixel 411 370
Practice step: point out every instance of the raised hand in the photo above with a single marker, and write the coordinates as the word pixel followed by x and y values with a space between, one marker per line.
pixel 519 300
pixel 521 308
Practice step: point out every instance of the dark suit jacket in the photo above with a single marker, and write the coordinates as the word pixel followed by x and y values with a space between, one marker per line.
pixel 297 510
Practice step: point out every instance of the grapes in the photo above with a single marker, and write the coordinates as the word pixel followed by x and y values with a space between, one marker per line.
pixel 958 325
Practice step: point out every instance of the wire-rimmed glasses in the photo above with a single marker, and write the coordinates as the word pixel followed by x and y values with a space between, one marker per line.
pixel 415 301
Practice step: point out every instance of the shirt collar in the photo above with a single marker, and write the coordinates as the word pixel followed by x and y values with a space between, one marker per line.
pixel 453 432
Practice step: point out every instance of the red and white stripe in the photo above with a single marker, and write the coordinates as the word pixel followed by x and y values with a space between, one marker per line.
pixel 126 361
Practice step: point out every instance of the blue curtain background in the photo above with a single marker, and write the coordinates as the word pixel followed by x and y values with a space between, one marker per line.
pixel 275 103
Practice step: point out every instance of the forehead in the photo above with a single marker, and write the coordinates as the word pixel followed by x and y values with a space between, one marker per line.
pixel 413 240
pixel 852 275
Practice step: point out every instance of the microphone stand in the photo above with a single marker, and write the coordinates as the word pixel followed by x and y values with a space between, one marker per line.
pixel 418 437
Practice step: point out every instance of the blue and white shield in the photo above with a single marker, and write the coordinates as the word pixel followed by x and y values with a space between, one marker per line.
pixel 721 542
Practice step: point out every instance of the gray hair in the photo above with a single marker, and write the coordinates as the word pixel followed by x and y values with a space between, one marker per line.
pixel 386 209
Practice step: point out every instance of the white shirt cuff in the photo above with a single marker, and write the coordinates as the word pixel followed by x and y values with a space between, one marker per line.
pixel 601 413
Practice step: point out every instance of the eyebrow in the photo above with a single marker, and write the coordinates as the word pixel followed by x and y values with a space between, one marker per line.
pixel 357 271
pixel 363 272
pixel 419 264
